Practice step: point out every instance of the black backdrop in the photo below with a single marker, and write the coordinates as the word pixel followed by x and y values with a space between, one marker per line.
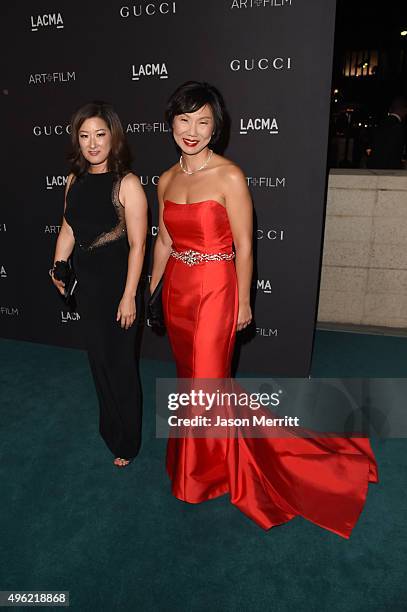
pixel 272 62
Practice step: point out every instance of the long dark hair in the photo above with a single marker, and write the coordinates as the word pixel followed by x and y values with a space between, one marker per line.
pixel 119 156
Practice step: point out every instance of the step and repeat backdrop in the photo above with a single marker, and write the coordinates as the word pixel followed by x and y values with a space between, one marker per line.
pixel 271 59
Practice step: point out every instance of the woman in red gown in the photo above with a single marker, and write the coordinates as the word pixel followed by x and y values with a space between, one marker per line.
pixel 204 250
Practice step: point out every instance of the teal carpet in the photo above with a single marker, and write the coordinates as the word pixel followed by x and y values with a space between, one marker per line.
pixel 117 540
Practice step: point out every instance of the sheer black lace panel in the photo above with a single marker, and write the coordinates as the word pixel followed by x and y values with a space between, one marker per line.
pixel 119 230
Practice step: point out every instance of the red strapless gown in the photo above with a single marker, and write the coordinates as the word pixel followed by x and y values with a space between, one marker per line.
pixel 271 480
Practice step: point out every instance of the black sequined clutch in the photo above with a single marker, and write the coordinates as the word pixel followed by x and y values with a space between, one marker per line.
pixel 62 271
pixel 155 306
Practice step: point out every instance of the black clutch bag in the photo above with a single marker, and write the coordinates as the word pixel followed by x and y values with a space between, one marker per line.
pixel 155 306
pixel 63 271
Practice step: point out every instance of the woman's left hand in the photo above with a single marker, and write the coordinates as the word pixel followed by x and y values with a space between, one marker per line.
pixel 126 312
pixel 244 318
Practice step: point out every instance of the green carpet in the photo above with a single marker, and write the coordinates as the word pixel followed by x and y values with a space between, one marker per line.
pixel 117 540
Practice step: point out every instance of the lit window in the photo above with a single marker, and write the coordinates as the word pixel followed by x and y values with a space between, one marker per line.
pixel 360 63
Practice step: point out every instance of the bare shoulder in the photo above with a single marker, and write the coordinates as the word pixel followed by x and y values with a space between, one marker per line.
pixel 229 172
pixel 131 189
pixel 166 177
pixel 70 179
pixel 131 184
pixel 130 180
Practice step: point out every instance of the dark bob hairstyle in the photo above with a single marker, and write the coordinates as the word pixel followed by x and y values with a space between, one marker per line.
pixel 193 95
pixel 119 157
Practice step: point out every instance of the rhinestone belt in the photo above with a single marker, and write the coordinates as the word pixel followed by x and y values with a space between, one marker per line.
pixel 191 258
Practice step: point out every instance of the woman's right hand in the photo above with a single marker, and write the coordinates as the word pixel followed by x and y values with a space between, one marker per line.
pixel 63 250
pixel 58 284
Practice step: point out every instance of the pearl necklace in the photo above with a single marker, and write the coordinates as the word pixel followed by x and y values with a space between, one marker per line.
pixel 208 159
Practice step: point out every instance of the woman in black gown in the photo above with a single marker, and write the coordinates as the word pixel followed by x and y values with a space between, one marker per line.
pixel 104 228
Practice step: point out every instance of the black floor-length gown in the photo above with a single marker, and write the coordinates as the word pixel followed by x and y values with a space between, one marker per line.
pixel 100 256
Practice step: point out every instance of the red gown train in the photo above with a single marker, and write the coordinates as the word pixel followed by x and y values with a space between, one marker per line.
pixel 271 480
